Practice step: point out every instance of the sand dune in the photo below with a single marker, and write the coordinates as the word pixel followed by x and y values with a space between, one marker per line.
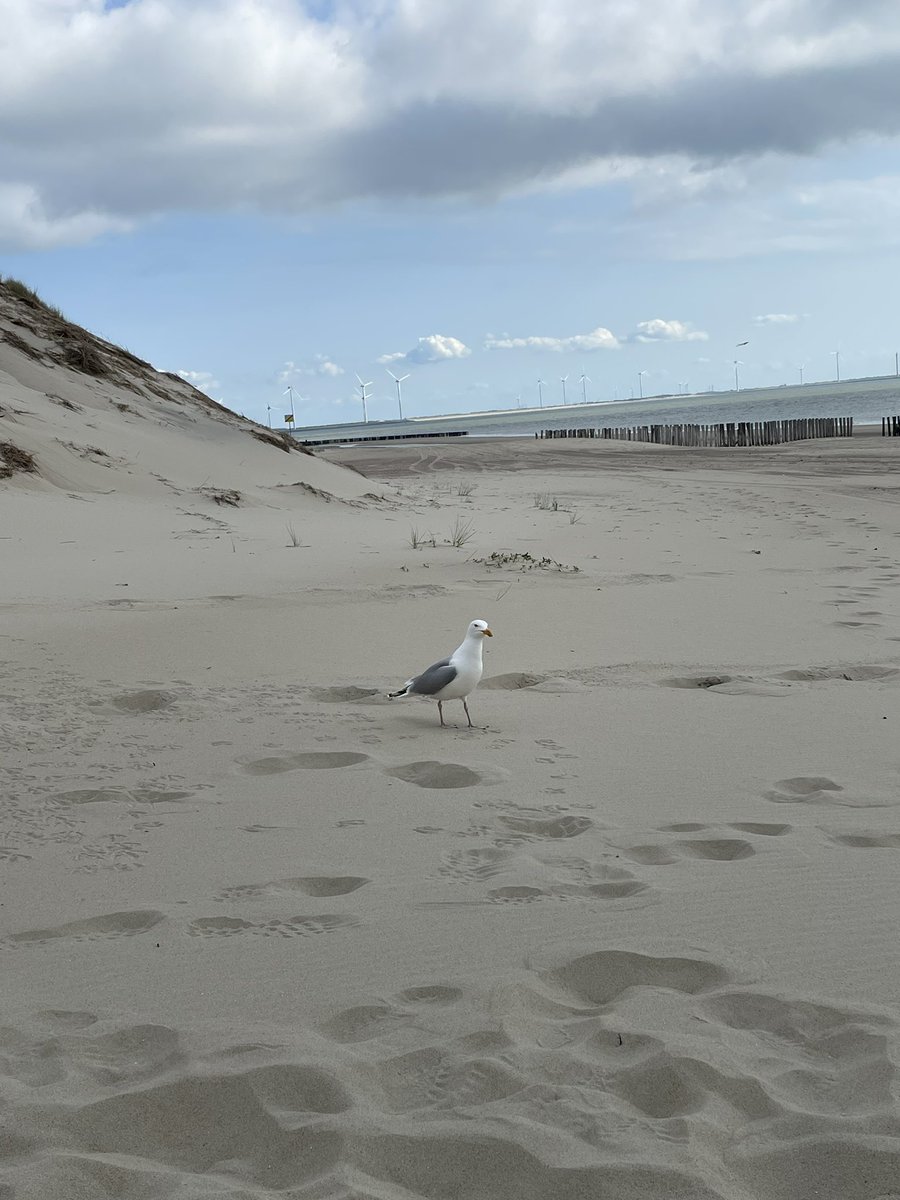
pixel 266 935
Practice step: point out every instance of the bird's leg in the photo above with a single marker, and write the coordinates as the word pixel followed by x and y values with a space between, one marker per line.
pixel 441 710
pixel 468 718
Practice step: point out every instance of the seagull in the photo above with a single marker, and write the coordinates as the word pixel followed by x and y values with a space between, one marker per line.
pixel 452 678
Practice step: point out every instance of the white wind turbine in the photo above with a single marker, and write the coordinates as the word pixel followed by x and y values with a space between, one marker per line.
pixel 540 393
pixel 584 380
pixel 398 381
pixel 562 380
pixel 289 391
pixel 362 391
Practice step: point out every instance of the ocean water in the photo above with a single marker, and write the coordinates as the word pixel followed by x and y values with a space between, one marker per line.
pixel 782 404
pixel 866 400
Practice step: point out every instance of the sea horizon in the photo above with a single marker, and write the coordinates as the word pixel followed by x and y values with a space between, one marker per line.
pixel 866 400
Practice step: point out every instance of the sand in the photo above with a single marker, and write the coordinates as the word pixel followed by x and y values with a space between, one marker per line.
pixel 266 934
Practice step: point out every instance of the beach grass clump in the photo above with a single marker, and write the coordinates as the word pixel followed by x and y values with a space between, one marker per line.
pixel 22 291
pixel 546 502
pixel 81 355
pixel 461 531
pixel 293 535
pixel 465 489
pixel 14 460
pixel 418 539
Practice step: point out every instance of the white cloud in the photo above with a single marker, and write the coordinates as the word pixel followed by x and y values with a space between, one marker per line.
pixel 204 381
pixel 26 225
pixel 435 347
pixel 598 339
pixel 243 105
pixel 319 364
pixel 658 330
pixel 776 319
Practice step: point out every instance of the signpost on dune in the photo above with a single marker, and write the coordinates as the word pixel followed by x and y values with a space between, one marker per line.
pixel 289 417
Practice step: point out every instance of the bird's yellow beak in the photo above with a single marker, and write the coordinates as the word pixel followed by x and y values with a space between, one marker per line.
pixel 487 633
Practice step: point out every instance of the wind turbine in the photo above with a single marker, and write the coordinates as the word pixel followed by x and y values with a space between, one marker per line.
pixel 362 390
pixel 583 380
pixel 562 380
pixel 641 375
pixel 737 380
pixel 540 393
pixel 289 391
pixel 800 369
pixel 837 364
pixel 398 381
pixel 269 411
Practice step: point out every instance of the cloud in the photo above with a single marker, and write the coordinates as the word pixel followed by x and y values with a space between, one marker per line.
pixel 666 331
pixel 776 319
pixel 436 347
pixel 26 225
pixel 836 215
pixel 204 381
pixel 277 106
pixel 320 364
pixel 598 339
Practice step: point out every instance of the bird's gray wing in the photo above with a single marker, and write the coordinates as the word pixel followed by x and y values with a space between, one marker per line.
pixel 435 677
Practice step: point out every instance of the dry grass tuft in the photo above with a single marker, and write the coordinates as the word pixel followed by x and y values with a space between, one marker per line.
pixel 81 355
pixel 461 532
pixel 14 460
pixel 21 291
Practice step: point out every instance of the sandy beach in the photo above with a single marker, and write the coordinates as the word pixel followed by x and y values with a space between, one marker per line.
pixel 265 934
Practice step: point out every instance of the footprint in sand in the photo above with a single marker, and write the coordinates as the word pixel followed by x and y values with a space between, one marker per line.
pixel 249 1127
pixel 307 885
pixel 865 841
pixel 664 854
pixel 302 926
pixel 109 925
pixel 135 1052
pixel 816 789
pixel 649 855
pixel 364 1022
pixel 313 760
pixel 717 849
pixel 761 828
pixel 603 976
pixel 565 826
pixel 433 774
pixel 468 866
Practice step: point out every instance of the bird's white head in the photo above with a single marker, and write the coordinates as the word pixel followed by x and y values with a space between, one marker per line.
pixel 479 629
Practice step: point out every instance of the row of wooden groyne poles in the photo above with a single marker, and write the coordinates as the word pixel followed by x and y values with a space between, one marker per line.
pixel 735 433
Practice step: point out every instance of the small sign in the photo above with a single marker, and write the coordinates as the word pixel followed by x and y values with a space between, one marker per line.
pixel 288 418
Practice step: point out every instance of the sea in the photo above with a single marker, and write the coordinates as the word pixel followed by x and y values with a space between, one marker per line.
pixel 865 400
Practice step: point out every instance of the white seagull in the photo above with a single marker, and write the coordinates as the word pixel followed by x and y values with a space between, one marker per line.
pixel 452 678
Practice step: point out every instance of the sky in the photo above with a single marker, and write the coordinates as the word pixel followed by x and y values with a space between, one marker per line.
pixel 279 199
